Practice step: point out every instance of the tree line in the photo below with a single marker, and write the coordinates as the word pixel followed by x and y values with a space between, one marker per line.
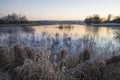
pixel 96 19
pixel 13 19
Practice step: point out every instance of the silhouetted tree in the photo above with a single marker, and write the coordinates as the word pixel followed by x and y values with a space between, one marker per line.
pixel 94 19
pixel 109 17
pixel 88 21
pixel 116 20
pixel 2 21
pixel 13 19
pixel 23 19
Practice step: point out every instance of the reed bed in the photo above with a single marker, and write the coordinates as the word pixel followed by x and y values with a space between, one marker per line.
pixel 45 57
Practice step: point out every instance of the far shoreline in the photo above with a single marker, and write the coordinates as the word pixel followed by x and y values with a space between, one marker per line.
pixel 106 25
pixel 34 24
pixel 18 25
pixel 27 25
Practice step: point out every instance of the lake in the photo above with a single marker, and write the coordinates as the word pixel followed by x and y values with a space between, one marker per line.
pixel 80 31
pixel 57 38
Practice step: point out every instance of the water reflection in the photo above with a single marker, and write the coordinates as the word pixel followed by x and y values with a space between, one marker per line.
pixel 16 29
pixel 77 30
pixel 67 27
pixel 101 35
pixel 74 31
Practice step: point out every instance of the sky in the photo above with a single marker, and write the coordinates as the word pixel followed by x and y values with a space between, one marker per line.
pixel 59 9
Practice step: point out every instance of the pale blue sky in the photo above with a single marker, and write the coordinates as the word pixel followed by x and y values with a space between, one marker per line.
pixel 59 9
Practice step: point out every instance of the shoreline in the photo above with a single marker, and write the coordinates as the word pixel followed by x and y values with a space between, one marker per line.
pixel 19 25
pixel 27 25
pixel 33 24
pixel 107 24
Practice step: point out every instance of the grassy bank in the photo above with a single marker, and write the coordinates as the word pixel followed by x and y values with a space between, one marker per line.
pixel 27 64
pixel 30 57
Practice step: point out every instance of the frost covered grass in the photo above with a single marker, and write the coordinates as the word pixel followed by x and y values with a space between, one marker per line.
pixel 45 57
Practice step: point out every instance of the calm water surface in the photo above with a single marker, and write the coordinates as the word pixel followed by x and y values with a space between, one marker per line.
pixel 78 31
pixel 101 34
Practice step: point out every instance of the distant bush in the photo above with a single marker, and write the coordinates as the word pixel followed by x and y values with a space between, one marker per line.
pixel 93 19
pixel 96 19
pixel 117 20
pixel 13 19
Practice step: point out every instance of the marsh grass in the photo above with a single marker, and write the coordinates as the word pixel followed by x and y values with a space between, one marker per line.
pixel 58 58
pixel 40 67
pixel 3 58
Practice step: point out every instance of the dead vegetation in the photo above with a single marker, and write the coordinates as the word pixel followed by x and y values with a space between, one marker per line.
pixel 84 56
pixel 53 58
pixel 29 65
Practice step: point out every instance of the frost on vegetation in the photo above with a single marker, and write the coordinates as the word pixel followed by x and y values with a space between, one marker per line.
pixel 30 57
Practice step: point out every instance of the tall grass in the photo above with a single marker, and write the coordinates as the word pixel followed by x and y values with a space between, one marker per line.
pixel 43 57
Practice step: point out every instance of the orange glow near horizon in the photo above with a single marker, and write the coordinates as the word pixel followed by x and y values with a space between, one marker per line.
pixel 60 9
pixel 81 17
